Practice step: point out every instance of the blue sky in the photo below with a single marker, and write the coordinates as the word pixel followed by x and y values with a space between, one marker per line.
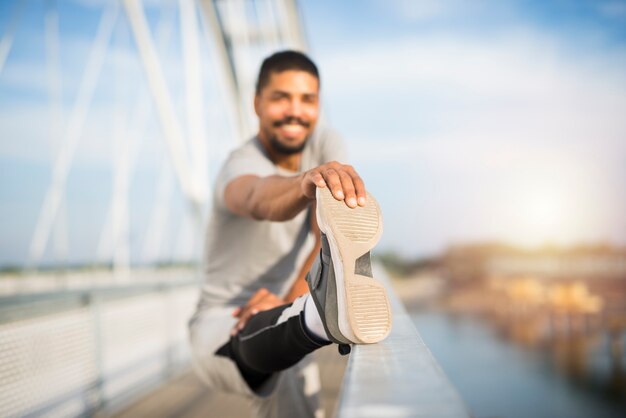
pixel 482 120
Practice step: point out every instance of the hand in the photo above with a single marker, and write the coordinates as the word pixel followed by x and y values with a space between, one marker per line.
pixel 262 300
pixel 342 180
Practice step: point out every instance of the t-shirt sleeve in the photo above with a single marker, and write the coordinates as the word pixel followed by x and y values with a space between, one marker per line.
pixel 240 163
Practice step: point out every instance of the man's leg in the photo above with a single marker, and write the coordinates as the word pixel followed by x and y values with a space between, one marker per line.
pixel 272 341
pixel 350 305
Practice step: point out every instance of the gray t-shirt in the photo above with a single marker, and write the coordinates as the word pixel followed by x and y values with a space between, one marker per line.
pixel 244 255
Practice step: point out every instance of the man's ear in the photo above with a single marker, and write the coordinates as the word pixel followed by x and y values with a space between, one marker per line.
pixel 257 104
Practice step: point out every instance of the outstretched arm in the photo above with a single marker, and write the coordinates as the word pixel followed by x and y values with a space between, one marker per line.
pixel 279 198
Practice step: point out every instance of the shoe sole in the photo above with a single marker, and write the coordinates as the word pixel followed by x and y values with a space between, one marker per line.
pixel 364 312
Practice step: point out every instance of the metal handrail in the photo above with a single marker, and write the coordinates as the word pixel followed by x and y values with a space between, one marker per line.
pixel 21 306
pixel 397 377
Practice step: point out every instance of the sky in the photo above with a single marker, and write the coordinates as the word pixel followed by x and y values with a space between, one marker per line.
pixel 469 121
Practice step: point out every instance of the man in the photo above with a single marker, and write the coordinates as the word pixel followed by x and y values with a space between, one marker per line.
pixel 256 321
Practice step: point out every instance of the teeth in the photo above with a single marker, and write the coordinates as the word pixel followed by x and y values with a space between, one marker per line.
pixel 292 127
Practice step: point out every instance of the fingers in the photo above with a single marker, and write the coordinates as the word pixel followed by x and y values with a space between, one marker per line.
pixel 332 179
pixel 256 298
pixel 250 311
pixel 245 312
pixel 344 183
pixel 359 188
pixel 261 300
pixel 311 181
pixel 348 188
pixel 244 318
pixel 318 179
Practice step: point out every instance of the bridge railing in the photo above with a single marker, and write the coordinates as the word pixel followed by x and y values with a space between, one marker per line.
pixel 397 377
pixel 78 351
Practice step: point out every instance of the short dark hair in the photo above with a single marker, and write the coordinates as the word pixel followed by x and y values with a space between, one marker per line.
pixel 284 61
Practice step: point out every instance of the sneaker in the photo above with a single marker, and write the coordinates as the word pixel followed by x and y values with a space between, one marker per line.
pixel 324 292
pixel 354 307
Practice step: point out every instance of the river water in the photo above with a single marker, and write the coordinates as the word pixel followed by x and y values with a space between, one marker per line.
pixel 499 378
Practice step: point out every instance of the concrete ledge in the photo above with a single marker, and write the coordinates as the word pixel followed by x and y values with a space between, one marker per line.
pixel 398 377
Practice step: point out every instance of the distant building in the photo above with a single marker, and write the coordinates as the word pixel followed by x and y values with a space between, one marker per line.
pixel 471 263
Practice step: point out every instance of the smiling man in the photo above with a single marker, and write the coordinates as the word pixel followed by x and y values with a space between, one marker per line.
pixel 258 318
pixel 288 110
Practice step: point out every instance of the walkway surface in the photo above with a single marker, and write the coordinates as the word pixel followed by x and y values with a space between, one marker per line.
pixel 187 397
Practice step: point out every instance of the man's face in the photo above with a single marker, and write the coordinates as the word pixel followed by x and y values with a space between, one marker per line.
pixel 288 108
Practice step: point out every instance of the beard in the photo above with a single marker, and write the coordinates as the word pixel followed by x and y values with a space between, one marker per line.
pixel 285 149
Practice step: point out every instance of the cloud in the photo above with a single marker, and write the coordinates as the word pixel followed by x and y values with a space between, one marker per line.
pixel 519 64
pixel 524 85
pixel 515 123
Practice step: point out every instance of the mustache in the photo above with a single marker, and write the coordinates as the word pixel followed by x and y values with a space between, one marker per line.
pixel 291 120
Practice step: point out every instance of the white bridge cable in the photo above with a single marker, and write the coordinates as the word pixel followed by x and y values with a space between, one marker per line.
pixel 158 223
pixel 134 137
pixel 74 132
pixel 194 93
pixel 265 13
pixel 7 40
pixel 230 15
pixel 123 143
pixel 238 36
pixel 169 122
pixel 56 119
pixel 153 242
pixel 295 33
pixel 119 212
pixel 229 89
pixel 238 29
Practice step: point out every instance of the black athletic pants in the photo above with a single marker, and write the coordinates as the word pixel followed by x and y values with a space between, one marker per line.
pixel 264 346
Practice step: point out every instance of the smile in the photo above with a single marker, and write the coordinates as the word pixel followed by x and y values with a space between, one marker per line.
pixel 292 128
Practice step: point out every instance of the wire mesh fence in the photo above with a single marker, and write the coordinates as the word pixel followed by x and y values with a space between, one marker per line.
pixel 74 353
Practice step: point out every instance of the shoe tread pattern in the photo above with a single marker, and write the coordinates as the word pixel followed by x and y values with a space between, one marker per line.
pixel 371 314
pixel 358 225
pixel 356 231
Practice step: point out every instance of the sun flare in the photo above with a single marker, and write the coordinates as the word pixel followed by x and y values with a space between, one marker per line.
pixel 546 215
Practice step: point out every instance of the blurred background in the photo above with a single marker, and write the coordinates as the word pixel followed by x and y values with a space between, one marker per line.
pixel 492 133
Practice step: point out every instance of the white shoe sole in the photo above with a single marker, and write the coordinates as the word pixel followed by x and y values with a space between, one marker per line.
pixel 364 312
